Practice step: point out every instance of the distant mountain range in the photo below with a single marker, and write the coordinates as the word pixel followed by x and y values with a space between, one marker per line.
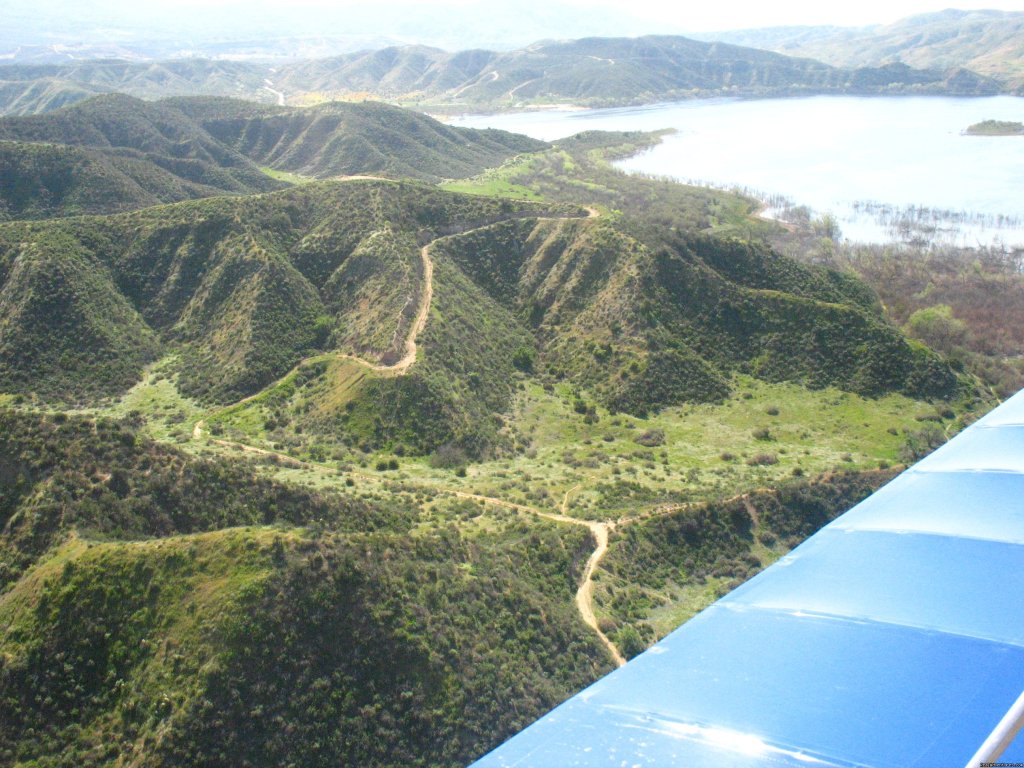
pixel 990 43
pixel 589 71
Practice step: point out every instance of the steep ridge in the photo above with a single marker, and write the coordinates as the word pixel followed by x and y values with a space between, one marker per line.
pixel 46 180
pixel 658 319
pixel 114 153
pixel 35 88
pixel 246 288
pixel 154 132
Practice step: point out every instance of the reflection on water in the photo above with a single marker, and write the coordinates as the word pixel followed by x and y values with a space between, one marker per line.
pixel 875 163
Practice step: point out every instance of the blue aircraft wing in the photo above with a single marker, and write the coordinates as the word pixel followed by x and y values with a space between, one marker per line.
pixel 893 637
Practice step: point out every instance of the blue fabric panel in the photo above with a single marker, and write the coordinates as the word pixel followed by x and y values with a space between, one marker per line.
pixel 908 579
pixel 1015 754
pixel 987 505
pixel 979 449
pixel 791 688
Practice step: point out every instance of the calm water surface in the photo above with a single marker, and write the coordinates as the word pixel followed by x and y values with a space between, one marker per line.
pixel 831 153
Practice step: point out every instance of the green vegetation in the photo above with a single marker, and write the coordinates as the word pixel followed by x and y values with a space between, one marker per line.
pixel 341 139
pixel 245 288
pixel 151 152
pixel 115 153
pixel 657 570
pixel 286 176
pixel 965 303
pixel 995 128
pixel 419 638
pixel 402 419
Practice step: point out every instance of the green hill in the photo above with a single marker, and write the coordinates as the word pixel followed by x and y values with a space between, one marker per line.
pixel 242 635
pixel 45 180
pixel 115 152
pixel 31 88
pixel 403 418
pixel 599 71
pixel 345 139
pixel 33 93
pixel 246 288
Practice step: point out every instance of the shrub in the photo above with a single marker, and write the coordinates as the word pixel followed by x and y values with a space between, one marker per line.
pixel 448 456
pixel 762 460
pixel 523 359
pixel 650 438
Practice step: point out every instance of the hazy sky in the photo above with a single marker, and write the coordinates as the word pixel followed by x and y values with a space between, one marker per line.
pixel 449 24
pixel 740 14
pixel 697 16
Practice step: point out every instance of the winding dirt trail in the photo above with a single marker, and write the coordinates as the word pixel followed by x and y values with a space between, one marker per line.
pixel 419 323
pixel 599 530
pixel 585 594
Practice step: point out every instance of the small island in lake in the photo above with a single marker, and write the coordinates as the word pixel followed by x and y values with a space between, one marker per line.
pixel 996 128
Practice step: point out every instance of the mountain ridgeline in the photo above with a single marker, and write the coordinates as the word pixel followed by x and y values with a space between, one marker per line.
pixel 246 289
pixel 592 71
pixel 988 42
pixel 114 153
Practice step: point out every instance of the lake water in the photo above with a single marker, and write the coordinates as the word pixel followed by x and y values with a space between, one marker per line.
pixel 863 159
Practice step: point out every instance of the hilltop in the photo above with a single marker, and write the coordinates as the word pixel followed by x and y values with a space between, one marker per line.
pixel 341 139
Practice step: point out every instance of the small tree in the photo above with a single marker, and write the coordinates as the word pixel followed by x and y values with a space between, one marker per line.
pixel 523 359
